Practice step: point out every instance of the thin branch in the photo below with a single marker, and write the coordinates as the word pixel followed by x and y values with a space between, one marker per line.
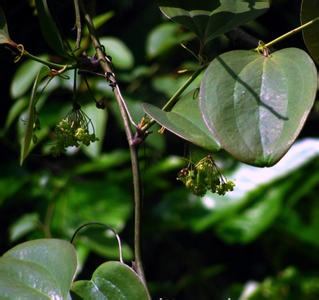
pixel 77 25
pixel 105 64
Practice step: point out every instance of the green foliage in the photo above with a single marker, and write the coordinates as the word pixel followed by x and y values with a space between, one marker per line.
pixel 288 284
pixel 209 19
pixel 111 280
pixel 37 269
pixel 310 11
pixel 49 28
pixel 32 122
pixel 253 91
pixel 185 121
pixel 122 57
pixel 21 83
pixel 197 242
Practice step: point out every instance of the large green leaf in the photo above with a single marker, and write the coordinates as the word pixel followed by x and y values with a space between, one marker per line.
pixel 256 105
pixel 210 18
pixel 49 28
pixel 185 121
pixel 111 281
pixel 310 11
pixel 39 269
pixel 32 114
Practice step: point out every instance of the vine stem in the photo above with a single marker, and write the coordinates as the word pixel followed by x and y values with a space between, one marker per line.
pixel 288 34
pixel 107 68
pixel 48 63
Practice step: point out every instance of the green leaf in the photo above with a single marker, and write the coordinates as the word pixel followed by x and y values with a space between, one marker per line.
pixel 99 119
pixel 163 38
pixel 253 183
pixel 23 225
pixel 248 225
pixel 49 28
pixel 185 121
pixel 310 11
pixel 93 200
pixel 211 18
pixel 100 20
pixel 112 281
pixel 15 110
pixel 32 114
pixel 257 104
pixel 24 77
pixel 39 269
pixel 122 57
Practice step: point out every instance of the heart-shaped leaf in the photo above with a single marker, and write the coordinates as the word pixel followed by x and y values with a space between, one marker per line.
pixel 310 11
pixel 256 105
pixel 185 121
pixel 49 28
pixel 211 18
pixel 39 269
pixel 112 280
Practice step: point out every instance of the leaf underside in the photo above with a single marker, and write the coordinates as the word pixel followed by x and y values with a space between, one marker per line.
pixel 211 18
pixel 257 105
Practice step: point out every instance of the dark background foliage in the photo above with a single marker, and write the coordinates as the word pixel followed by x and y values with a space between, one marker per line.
pixel 187 254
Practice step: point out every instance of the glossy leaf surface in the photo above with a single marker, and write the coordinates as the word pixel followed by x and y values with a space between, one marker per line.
pixel 49 28
pixel 257 105
pixel 39 269
pixel 185 121
pixel 211 18
pixel 112 281
pixel 310 11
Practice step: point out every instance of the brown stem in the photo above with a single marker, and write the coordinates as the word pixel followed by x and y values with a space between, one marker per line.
pixel 110 77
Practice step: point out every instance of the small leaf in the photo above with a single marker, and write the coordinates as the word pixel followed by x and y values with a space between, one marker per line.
pixel 4 34
pixel 48 27
pixel 112 280
pixel 23 225
pixel 211 18
pixel 122 57
pixel 257 105
pixel 99 119
pixel 39 269
pixel 15 110
pixel 164 37
pixel 31 118
pixel 310 11
pixel 24 77
pixel 185 121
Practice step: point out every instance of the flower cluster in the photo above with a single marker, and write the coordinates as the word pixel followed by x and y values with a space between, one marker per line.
pixel 75 129
pixel 205 176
